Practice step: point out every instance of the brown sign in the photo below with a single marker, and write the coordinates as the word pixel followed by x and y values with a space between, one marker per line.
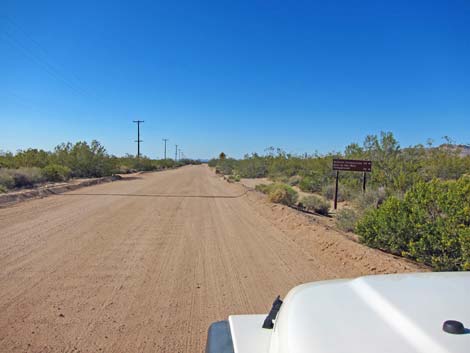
pixel 352 165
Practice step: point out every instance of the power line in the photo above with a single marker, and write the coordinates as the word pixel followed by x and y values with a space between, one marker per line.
pixel 165 140
pixel 138 122
pixel 40 59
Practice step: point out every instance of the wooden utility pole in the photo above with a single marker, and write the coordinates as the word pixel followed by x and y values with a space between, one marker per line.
pixel 176 153
pixel 138 122
pixel 165 140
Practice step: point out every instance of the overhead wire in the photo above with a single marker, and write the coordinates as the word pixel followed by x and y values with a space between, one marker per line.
pixel 39 59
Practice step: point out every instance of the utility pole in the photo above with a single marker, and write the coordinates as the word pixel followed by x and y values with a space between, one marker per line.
pixel 176 153
pixel 165 140
pixel 138 122
pixel 180 154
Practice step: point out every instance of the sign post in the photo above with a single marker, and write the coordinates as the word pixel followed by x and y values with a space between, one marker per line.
pixel 336 189
pixel 351 165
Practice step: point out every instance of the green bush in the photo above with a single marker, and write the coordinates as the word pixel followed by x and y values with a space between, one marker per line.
pixel 316 204
pixel 83 160
pixel 225 166
pixel 55 172
pixel 3 189
pixel 346 219
pixel 294 180
pixel 234 178
pixel 284 194
pixel 279 178
pixel 310 184
pixel 6 179
pixel 21 180
pixel 264 188
pixel 18 178
pixel 213 162
pixel 431 224
pixel 279 193
pixel 372 198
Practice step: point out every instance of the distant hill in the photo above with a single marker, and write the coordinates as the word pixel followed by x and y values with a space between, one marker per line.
pixel 464 149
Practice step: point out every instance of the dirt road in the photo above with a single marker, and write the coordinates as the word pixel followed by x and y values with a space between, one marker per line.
pixel 145 265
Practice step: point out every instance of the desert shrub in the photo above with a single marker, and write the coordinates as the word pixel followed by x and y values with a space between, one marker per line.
pixel 344 192
pixel 25 177
pixel 234 178
pixel 225 166
pixel 346 219
pixel 387 227
pixel 144 164
pixel 22 180
pixel 372 198
pixel 252 167
pixel 394 168
pixel 264 188
pixel 6 179
pixel 3 189
pixel 82 158
pixel 431 224
pixel 123 169
pixel 55 172
pixel 310 184
pixel 32 158
pixel 279 178
pixel 328 191
pixel 213 162
pixel 162 164
pixel 281 193
pixel 464 239
pixel 294 180
pixel 316 204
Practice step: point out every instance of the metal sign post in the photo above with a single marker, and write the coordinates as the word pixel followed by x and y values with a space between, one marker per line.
pixel 351 165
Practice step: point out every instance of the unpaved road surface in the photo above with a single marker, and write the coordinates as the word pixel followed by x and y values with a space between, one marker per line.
pixel 145 265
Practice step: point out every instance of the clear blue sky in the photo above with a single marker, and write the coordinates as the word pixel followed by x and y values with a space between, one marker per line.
pixel 233 76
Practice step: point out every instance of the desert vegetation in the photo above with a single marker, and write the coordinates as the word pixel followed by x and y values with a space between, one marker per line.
pixel 80 160
pixel 417 202
pixel 279 193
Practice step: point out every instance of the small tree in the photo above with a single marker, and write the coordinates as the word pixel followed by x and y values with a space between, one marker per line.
pixel 222 155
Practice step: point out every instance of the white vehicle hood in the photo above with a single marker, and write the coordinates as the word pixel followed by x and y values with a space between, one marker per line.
pixel 387 314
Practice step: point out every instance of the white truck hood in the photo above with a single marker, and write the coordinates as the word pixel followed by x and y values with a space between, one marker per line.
pixel 387 314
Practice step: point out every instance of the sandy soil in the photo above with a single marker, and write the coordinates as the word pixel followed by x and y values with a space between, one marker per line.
pixel 252 182
pixel 145 265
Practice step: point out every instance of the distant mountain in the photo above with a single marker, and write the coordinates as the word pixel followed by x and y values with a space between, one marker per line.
pixel 464 149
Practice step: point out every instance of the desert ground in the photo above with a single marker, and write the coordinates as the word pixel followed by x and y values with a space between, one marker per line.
pixel 145 264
